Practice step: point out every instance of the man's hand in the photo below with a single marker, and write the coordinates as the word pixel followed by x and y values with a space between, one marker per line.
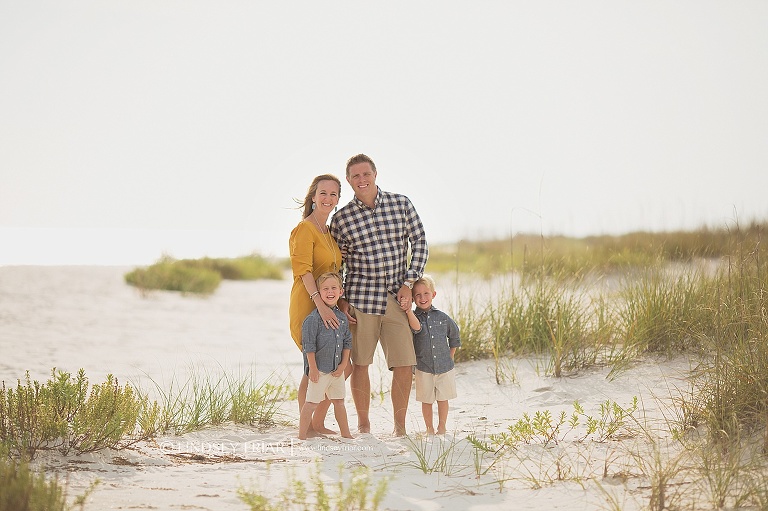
pixel 314 375
pixel 405 297
pixel 344 307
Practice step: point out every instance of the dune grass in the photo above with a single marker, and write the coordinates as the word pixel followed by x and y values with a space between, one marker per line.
pixel 350 493
pixel 560 256
pixel 68 414
pixel 208 398
pixel 715 312
pixel 201 276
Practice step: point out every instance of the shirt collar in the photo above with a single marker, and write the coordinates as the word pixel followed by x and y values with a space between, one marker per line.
pixel 376 201
pixel 422 311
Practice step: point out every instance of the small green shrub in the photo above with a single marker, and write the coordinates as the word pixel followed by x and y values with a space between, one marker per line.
pixel 62 414
pixel 252 267
pixel 26 490
pixel 201 276
pixel 172 275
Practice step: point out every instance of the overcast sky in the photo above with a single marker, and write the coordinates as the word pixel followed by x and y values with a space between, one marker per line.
pixel 133 128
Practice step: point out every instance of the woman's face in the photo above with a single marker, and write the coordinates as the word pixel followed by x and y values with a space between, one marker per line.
pixel 326 196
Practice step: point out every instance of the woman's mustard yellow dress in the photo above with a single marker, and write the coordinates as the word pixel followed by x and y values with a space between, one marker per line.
pixel 311 251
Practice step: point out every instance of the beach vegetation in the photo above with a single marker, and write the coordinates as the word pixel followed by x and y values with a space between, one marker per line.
pixel 355 492
pixel 206 398
pixel 26 489
pixel 442 454
pixel 67 414
pixel 201 276
pixel 534 255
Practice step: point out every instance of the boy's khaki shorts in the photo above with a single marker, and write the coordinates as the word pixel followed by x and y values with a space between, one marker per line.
pixel 332 386
pixel 391 329
pixel 435 387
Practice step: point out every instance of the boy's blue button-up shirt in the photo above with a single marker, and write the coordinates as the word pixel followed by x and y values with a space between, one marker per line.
pixel 433 342
pixel 326 343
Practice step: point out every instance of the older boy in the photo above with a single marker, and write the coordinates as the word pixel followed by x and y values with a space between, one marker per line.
pixel 326 354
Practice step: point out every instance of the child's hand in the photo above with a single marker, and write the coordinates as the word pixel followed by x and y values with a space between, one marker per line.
pixel 339 370
pixel 404 303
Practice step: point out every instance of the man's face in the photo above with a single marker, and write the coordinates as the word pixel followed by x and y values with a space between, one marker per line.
pixel 362 178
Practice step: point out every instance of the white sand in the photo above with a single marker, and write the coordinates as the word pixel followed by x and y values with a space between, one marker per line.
pixel 204 469
pixel 106 327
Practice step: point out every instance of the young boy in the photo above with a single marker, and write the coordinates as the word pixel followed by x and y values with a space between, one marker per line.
pixel 435 338
pixel 326 354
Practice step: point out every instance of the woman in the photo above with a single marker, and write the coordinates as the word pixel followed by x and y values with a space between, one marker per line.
pixel 313 252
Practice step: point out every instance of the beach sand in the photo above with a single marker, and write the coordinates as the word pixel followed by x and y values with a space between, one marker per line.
pixel 104 326
pixel 204 469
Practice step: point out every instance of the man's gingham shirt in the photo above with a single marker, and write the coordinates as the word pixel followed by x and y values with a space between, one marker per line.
pixel 376 242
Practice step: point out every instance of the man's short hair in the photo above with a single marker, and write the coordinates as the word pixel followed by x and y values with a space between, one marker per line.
pixel 360 158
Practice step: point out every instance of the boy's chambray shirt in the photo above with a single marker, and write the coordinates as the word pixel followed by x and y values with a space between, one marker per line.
pixel 433 342
pixel 376 243
pixel 326 343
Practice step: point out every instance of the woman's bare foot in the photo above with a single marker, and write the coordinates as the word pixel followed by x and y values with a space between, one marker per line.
pixel 441 431
pixel 364 428
pixel 322 430
pixel 431 431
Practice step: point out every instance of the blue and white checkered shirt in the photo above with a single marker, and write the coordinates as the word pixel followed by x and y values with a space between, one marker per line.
pixel 376 242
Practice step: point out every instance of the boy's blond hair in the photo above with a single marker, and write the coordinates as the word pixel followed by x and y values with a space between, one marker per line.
pixel 428 281
pixel 329 275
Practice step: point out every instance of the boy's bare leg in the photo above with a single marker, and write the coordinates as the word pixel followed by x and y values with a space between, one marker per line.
pixel 341 417
pixel 321 412
pixel 303 391
pixel 442 416
pixel 318 418
pixel 402 378
pixel 361 394
pixel 305 419
pixel 426 411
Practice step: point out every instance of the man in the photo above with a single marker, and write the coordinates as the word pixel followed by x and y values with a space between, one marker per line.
pixel 375 231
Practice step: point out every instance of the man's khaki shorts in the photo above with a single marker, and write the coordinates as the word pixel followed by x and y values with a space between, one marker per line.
pixel 435 387
pixel 332 386
pixel 391 329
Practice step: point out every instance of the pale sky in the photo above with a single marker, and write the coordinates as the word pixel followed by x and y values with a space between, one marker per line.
pixel 134 128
